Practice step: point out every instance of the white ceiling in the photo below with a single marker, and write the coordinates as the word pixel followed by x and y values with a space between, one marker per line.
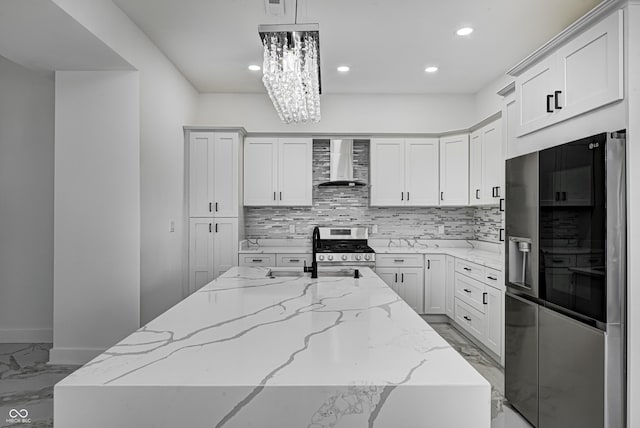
pixel 387 43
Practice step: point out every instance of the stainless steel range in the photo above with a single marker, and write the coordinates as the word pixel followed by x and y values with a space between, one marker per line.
pixel 343 246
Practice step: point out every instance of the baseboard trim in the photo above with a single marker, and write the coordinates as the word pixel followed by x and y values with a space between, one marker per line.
pixel 26 335
pixel 73 356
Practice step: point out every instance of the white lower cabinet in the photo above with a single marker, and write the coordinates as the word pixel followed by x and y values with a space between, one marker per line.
pixel 479 304
pixel 449 291
pixel 213 249
pixel 275 259
pixel 408 283
pixel 434 284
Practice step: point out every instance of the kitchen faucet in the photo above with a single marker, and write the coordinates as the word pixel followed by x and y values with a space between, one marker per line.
pixel 314 264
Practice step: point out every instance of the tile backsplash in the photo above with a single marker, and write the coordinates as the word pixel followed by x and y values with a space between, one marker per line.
pixel 349 206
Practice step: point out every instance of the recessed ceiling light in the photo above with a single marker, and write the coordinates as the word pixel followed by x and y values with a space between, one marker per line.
pixel 464 31
pixel 343 69
pixel 431 69
pixel 254 67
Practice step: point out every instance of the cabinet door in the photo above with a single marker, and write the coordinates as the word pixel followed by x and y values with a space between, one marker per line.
pixel 435 284
pixel 476 186
pixel 200 253
pixel 387 172
pixel 201 174
pixel 494 299
pixel 493 164
pixel 454 170
pixel 411 288
pixel 449 286
pixel 295 171
pixel 591 68
pixel 225 245
pixel 532 89
pixel 260 171
pixel 422 172
pixel 225 173
pixel 389 276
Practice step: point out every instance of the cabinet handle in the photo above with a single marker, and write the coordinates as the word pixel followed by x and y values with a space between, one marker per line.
pixel 209 206
pixel 407 196
pixel 557 196
pixel 294 260
pixel 557 100
pixel 501 207
pixel 557 260
pixel 466 290
pixel 216 227
pixel 216 207
pixel 484 298
pixel 564 196
pixel 477 191
pixel 492 278
pixel 274 196
pixel 209 227
pixel 402 277
pixel 396 278
pixel 466 268
pixel 593 260
pixel 501 235
pixel 428 264
pixel 467 318
pixel 442 196
pixel 549 103
pixel 398 261
pixel 497 191
pixel 256 260
pixel 280 195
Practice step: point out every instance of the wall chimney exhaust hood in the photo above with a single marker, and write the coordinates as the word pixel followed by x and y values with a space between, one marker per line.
pixel 341 165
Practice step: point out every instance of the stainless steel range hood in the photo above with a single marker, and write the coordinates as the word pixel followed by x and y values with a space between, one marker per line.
pixel 341 165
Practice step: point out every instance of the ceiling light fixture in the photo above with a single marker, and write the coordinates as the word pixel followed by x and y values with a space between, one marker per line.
pixel 431 69
pixel 254 67
pixel 343 69
pixel 291 69
pixel 464 31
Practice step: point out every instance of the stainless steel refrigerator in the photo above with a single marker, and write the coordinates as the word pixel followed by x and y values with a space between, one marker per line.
pixel 565 270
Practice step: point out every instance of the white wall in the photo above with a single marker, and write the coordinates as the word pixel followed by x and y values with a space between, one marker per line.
pixel 358 113
pixel 97 212
pixel 487 101
pixel 26 204
pixel 167 103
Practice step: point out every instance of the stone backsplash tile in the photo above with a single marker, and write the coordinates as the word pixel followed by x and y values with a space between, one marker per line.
pixel 340 206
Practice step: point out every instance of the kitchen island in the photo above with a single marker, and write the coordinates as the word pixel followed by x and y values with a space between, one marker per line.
pixel 249 350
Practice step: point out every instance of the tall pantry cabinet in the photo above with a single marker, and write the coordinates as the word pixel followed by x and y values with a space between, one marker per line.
pixel 214 171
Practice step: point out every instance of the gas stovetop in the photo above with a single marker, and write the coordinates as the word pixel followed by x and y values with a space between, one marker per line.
pixel 344 245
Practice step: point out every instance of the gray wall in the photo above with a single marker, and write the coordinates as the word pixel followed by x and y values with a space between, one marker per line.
pixel 26 204
pixel 350 207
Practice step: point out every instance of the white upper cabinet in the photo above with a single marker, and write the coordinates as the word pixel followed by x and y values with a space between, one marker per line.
pixel 278 171
pixel 454 170
pixel 486 165
pixel 580 76
pixel 213 174
pixel 404 172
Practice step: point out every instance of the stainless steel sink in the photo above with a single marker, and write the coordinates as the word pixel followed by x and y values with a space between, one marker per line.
pixel 281 273
pixel 275 273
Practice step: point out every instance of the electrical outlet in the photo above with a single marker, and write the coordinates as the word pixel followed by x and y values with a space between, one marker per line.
pixel 374 228
pixel 292 228
pixel 441 229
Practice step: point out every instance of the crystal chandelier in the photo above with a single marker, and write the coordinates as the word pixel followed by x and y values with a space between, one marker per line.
pixel 291 70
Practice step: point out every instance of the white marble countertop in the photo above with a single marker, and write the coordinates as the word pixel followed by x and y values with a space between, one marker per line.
pixel 248 332
pixel 486 254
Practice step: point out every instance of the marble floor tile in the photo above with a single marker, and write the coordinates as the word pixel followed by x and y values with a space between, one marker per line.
pixel 26 382
pixel 502 416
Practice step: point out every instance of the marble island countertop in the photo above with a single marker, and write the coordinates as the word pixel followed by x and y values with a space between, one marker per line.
pixel 249 350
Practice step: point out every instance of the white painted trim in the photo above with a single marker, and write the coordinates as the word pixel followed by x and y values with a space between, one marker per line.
pixel 26 335
pixel 73 356
pixel 571 31
pixel 509 89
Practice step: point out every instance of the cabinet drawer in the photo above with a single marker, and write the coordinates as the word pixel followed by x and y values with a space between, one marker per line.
pixel 494 278
pixel 470 291
pixel 470 319
pixel 257 260
pixel 555 260
pixel 293 259
pixel 399 260
pixel 589 260
pixel 470 269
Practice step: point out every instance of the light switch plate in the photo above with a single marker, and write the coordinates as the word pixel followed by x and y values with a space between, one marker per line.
pixel 292 228
pixel 441 229
pixel 374 228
